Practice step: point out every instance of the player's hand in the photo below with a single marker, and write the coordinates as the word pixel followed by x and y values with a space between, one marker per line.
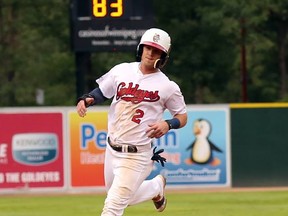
pixel 157 130
pixel 81 108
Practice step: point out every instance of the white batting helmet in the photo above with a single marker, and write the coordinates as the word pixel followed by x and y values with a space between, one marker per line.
pixel 156 38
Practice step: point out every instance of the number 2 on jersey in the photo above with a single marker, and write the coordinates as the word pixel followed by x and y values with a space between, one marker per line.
pixel 137 116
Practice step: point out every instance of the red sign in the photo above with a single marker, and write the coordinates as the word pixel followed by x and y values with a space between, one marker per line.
pixel 31 150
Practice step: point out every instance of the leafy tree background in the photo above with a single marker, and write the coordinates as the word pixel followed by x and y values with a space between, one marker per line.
pixel 208 39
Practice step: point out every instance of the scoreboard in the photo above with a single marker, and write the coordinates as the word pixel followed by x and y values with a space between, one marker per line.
pixel 109 25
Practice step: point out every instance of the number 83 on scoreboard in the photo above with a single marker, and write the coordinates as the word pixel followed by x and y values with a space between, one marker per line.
pixel 112 9
pixel 103 8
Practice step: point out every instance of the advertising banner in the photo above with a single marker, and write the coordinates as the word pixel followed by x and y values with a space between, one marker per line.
pixel 31 150
pixel 199 153
pixel 87 148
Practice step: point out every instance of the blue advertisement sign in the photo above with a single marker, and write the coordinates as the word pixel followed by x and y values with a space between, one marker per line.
pixel 199 153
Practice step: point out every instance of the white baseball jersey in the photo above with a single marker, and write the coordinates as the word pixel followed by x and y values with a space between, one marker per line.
pixel 138 100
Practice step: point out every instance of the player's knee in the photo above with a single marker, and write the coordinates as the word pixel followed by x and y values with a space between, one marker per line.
pixel 124 193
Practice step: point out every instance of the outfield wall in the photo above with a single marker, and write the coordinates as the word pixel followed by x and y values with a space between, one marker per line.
pixel 52 149
pixel 259 134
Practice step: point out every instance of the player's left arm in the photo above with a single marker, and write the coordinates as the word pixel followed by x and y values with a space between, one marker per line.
pixel 182 119
pixel 158 129
pixel 177 107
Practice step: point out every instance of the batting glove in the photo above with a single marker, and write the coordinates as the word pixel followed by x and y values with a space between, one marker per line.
pixel 157 157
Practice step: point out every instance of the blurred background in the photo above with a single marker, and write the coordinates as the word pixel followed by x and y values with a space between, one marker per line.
pixel 224 51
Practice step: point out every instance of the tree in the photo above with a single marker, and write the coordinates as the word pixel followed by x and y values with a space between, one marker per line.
pixel 35 53
pixel 278 22
pixel 213 59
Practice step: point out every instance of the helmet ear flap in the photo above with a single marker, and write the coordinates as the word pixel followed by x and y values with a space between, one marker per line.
pixel 139 52
pixel 160 63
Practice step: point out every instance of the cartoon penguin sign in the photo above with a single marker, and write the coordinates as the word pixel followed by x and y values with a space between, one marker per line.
pixel 202 148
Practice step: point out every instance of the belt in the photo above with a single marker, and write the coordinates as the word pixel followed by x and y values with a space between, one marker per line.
pixel 123 148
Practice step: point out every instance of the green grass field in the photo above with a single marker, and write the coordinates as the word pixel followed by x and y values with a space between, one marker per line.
pixel 244 203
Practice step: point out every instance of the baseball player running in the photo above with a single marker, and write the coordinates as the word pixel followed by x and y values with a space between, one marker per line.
pixel 141 92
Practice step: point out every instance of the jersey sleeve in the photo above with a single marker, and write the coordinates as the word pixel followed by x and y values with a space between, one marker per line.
pixel 107 83
pixel 176 103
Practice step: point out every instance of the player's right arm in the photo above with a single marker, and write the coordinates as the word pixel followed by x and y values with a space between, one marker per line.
pixel 94 97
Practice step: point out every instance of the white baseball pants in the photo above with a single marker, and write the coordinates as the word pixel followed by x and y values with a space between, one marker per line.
pixel 125 175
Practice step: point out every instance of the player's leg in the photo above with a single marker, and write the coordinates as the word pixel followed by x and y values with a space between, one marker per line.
pixel 108 168
pixel 130 170
pixel 151 190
